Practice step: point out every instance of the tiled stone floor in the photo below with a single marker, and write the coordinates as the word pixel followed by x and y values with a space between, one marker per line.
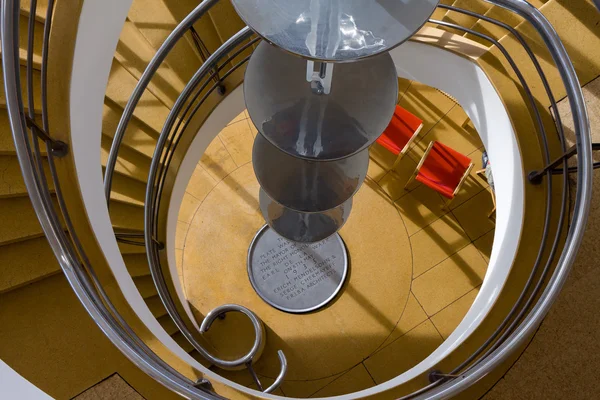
pixel 430 261
pixel 112 388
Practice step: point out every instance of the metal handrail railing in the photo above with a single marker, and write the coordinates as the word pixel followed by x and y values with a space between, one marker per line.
pixel 153 202
pixel 497 354
pixel 210 69
pixel 65 247
pixel 509 336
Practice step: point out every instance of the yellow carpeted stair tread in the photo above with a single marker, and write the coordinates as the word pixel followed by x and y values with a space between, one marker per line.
pixel 127 190
pixel 120 86
pixel 156 306
pixel 26 262
pixel 137 264
pixel 37 43
pixel 183 342
pixel 502 15
pixel 462 19
pixel 130 162
pixel 127 217
pixel 19 221
pixel 7 145
pixel 11 180
pixel 134 52
pixel 127 249
pixel 36 90
pixel 145 285
pixel 40 12
pixel 167 323
pixel 139 136
pixel 155 21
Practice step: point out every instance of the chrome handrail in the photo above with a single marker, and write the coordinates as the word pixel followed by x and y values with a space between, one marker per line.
pixel 520 335
pixel 150 209
pixel 80 274
pixel 62 244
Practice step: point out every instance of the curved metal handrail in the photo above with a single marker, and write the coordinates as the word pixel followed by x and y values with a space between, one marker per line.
pixel 58 240
pixel 498 347
pixel 152 249
pixel 494 357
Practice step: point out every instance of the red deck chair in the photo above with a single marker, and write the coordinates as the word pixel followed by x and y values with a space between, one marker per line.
pixel 400 133
pixel 442 169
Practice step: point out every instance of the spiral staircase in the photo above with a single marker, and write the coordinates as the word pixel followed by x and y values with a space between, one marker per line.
pixel 107 111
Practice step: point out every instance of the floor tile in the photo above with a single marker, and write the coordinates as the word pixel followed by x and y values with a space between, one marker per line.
pixel 179 263
pixel 393 182
pixel 448 319
pixel 412 316
pixel 403 85
pixel 252 128
pixel 449 280
pixel 436 242
pixel 474 184
pixel 304 389
pixel 381 161
pixel 217 160
pixel 356 379
pixel 180 234
pixel 404 353
pixel 319 344
pixel 473 215
pixel 201 183
pixel 241 117
pixel 426 103
pixel 238 140
pixel 448 132
pixel 420 208
pixel 188 208
pixel 484 244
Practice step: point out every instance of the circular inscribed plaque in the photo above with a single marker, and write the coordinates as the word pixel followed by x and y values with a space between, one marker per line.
pixel 296 277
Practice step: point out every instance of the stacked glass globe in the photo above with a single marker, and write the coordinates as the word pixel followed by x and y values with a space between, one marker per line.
pixel 320 90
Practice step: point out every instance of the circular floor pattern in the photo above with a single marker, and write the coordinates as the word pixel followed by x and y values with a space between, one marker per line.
pixel 319 344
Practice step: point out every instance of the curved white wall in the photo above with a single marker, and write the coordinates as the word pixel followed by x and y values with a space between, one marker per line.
pixel 14 386
pixel 98 33
pixel 468 83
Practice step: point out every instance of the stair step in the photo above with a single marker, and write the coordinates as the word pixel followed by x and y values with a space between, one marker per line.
pixel 36 90
pixel 183 342
pixel 145 286
pixel 128 191
pixel 19 221
pixel 7 145
pixel 134 53
pixel 138 136
pixel 127 249
pixel 156 306
pixel 502 15
pixel 168 325
pixel 37 42
pixel 227 23
pixel 40 11
pixel 11 179
pixel 155 21
pixel 130 163
pixel 127 217
pixel 26 262
pixel 149 109
pixel 462 19
pixel 137 264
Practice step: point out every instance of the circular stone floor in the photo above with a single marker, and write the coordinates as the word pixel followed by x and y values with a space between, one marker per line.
pixel 323 343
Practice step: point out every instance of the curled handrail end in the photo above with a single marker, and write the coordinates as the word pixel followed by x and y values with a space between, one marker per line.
pixel 282 373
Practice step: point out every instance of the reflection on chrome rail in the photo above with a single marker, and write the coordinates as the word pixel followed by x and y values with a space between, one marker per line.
pixel 511 334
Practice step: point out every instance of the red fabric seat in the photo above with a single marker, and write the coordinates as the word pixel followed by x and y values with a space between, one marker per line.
pixel 443 169
pixel 403 127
